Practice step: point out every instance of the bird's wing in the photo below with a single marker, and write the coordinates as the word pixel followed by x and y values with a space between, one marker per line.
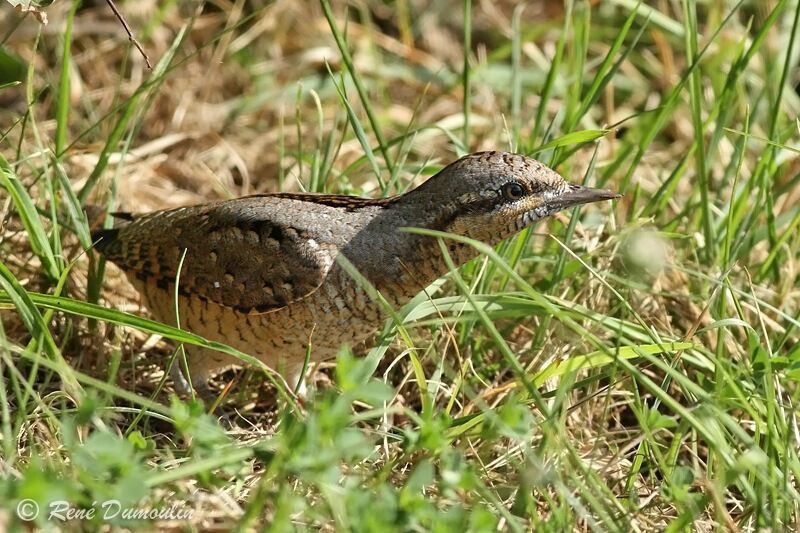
pixel 239 258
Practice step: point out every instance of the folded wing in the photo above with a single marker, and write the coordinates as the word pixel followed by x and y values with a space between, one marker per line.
pixel 239 258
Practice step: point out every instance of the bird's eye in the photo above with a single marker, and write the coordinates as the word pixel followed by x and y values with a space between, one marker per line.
pixel 513 191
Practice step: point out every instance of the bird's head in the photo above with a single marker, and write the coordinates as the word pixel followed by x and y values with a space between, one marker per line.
pixel 492 195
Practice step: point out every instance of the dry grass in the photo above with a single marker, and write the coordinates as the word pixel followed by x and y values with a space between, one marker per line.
pixel 705 437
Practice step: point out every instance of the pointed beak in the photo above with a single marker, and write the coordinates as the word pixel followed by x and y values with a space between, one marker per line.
pixel 577 195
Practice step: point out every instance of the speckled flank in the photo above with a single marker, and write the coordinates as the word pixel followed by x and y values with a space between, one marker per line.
pixel 260 272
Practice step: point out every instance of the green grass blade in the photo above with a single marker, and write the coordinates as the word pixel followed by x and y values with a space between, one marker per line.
pixel 40 244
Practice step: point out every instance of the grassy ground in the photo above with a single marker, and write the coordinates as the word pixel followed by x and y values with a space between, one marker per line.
pixel 631 366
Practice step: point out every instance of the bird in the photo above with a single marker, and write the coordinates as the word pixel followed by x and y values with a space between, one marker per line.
pixel 261 273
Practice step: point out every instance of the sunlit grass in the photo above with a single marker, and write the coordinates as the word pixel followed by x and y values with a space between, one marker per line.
pixel 627 366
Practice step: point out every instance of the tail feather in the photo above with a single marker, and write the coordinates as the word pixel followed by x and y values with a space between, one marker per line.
pixel 106 241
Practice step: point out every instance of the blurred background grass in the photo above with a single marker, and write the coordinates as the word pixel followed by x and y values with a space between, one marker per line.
pixel 632 365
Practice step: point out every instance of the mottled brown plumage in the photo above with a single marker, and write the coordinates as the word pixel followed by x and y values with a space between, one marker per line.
pixel 260 272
